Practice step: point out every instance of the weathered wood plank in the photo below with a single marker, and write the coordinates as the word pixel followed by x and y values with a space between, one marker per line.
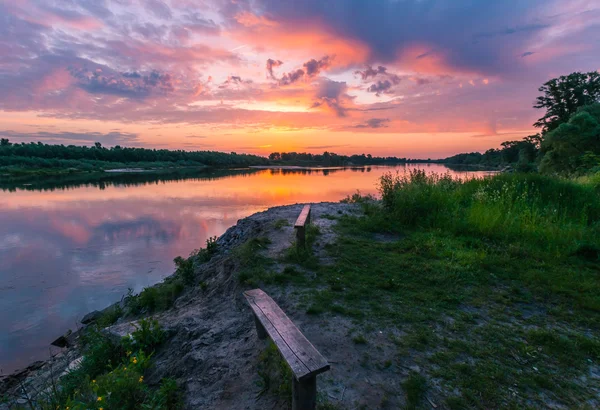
pixel 303 218
pixel 303 358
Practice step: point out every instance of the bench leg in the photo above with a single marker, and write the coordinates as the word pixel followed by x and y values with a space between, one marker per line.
pixel 304 394
pixel 260 329
pixel 300 238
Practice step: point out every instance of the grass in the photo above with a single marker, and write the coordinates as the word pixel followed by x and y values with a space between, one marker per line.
pixel 111 376
pixel 495 285
pixel 414 387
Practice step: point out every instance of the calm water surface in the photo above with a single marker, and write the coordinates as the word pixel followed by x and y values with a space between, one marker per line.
pixel 69 247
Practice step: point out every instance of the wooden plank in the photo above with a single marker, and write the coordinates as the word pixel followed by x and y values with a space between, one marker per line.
pixel 303 357
pixel 303 217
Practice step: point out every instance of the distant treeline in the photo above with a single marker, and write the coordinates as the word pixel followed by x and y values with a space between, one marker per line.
pixel 569 141
pixel 335 160
pixel 32 156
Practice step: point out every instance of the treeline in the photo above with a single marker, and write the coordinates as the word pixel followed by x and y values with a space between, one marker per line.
pixel 569 140
pixel 334 160
pixel 45 156
pixel 39 158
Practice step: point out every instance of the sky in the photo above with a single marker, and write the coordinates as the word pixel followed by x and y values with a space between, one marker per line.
pixel 410 78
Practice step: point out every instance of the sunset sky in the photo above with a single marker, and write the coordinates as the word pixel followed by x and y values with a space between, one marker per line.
pixel 415 78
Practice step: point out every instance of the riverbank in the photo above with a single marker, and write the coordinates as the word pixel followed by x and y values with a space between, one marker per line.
pixel 437 296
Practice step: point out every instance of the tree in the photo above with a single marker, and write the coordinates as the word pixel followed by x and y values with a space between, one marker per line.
pixel 574 146
pixel 564 95
pixel 4 142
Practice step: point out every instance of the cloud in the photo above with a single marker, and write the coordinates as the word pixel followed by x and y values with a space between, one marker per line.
pixel 132 85
pixel 527 53
pixel 326 146
pixel 463 35
pixel 311 69
pixel 292 77
pixel 373 123
pixel 270 64
pixel 314 67
pixel 331 94
pixel 380 87
pixel 159 9
pixel 371 72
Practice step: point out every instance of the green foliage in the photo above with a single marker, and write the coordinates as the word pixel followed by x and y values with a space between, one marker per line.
pixel 414 387
pixel 156 298
pixel 254 266
pixel 146 338
pixel 111 375
pixel 574 146
pixel 332 159
pixel 280 223
pixel 551 212
pixel 522 155
pixel 275 374
pixel 38 156
pixel 564 95
pixel 493 283
pixel 110 316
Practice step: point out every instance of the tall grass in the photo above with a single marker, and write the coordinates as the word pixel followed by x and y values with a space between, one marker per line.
pixel 557 214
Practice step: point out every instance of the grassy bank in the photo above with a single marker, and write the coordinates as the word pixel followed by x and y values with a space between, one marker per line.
pixel 492 287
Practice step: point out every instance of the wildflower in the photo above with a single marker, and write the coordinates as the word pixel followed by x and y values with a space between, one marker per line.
pixel 141 379
pixel 134 360
pixel 129 353
pixel 124 368
pixel 93 381
pixel 99 398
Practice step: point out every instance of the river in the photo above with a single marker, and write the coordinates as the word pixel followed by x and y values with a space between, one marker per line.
pixel 72 245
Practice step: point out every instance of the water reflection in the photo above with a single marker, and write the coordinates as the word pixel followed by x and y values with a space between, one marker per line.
pixel 70 245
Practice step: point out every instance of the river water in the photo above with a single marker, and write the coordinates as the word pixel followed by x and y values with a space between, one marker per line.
pixel 69 246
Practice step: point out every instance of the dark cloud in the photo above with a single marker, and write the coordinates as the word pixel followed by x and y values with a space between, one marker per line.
pixel 527 53
pixel 110 139
pixel 314 67
pixel 373 123
pixel 198 24
pixel 371 72
pixel 290 78
pixel 474 35
pixel 159 9
pixel 311 69
pixel 380 87
pixel 132 85
pixel 97 8
pixel 332 94
pixel 270 64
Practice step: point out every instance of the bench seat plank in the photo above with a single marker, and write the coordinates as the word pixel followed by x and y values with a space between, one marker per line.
pixel 301 221
pixel 304 360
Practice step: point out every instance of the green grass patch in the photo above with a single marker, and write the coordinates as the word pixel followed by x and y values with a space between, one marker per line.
pixel 494 284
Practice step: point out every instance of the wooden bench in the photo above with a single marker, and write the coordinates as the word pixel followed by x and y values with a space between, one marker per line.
pixel 302 357
pixel 300 227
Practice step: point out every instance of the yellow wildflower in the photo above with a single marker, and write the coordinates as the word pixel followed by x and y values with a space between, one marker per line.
pixel 124 368
pixel 134 360
pixel 141 379
pixel 93 381
pixel 99 398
